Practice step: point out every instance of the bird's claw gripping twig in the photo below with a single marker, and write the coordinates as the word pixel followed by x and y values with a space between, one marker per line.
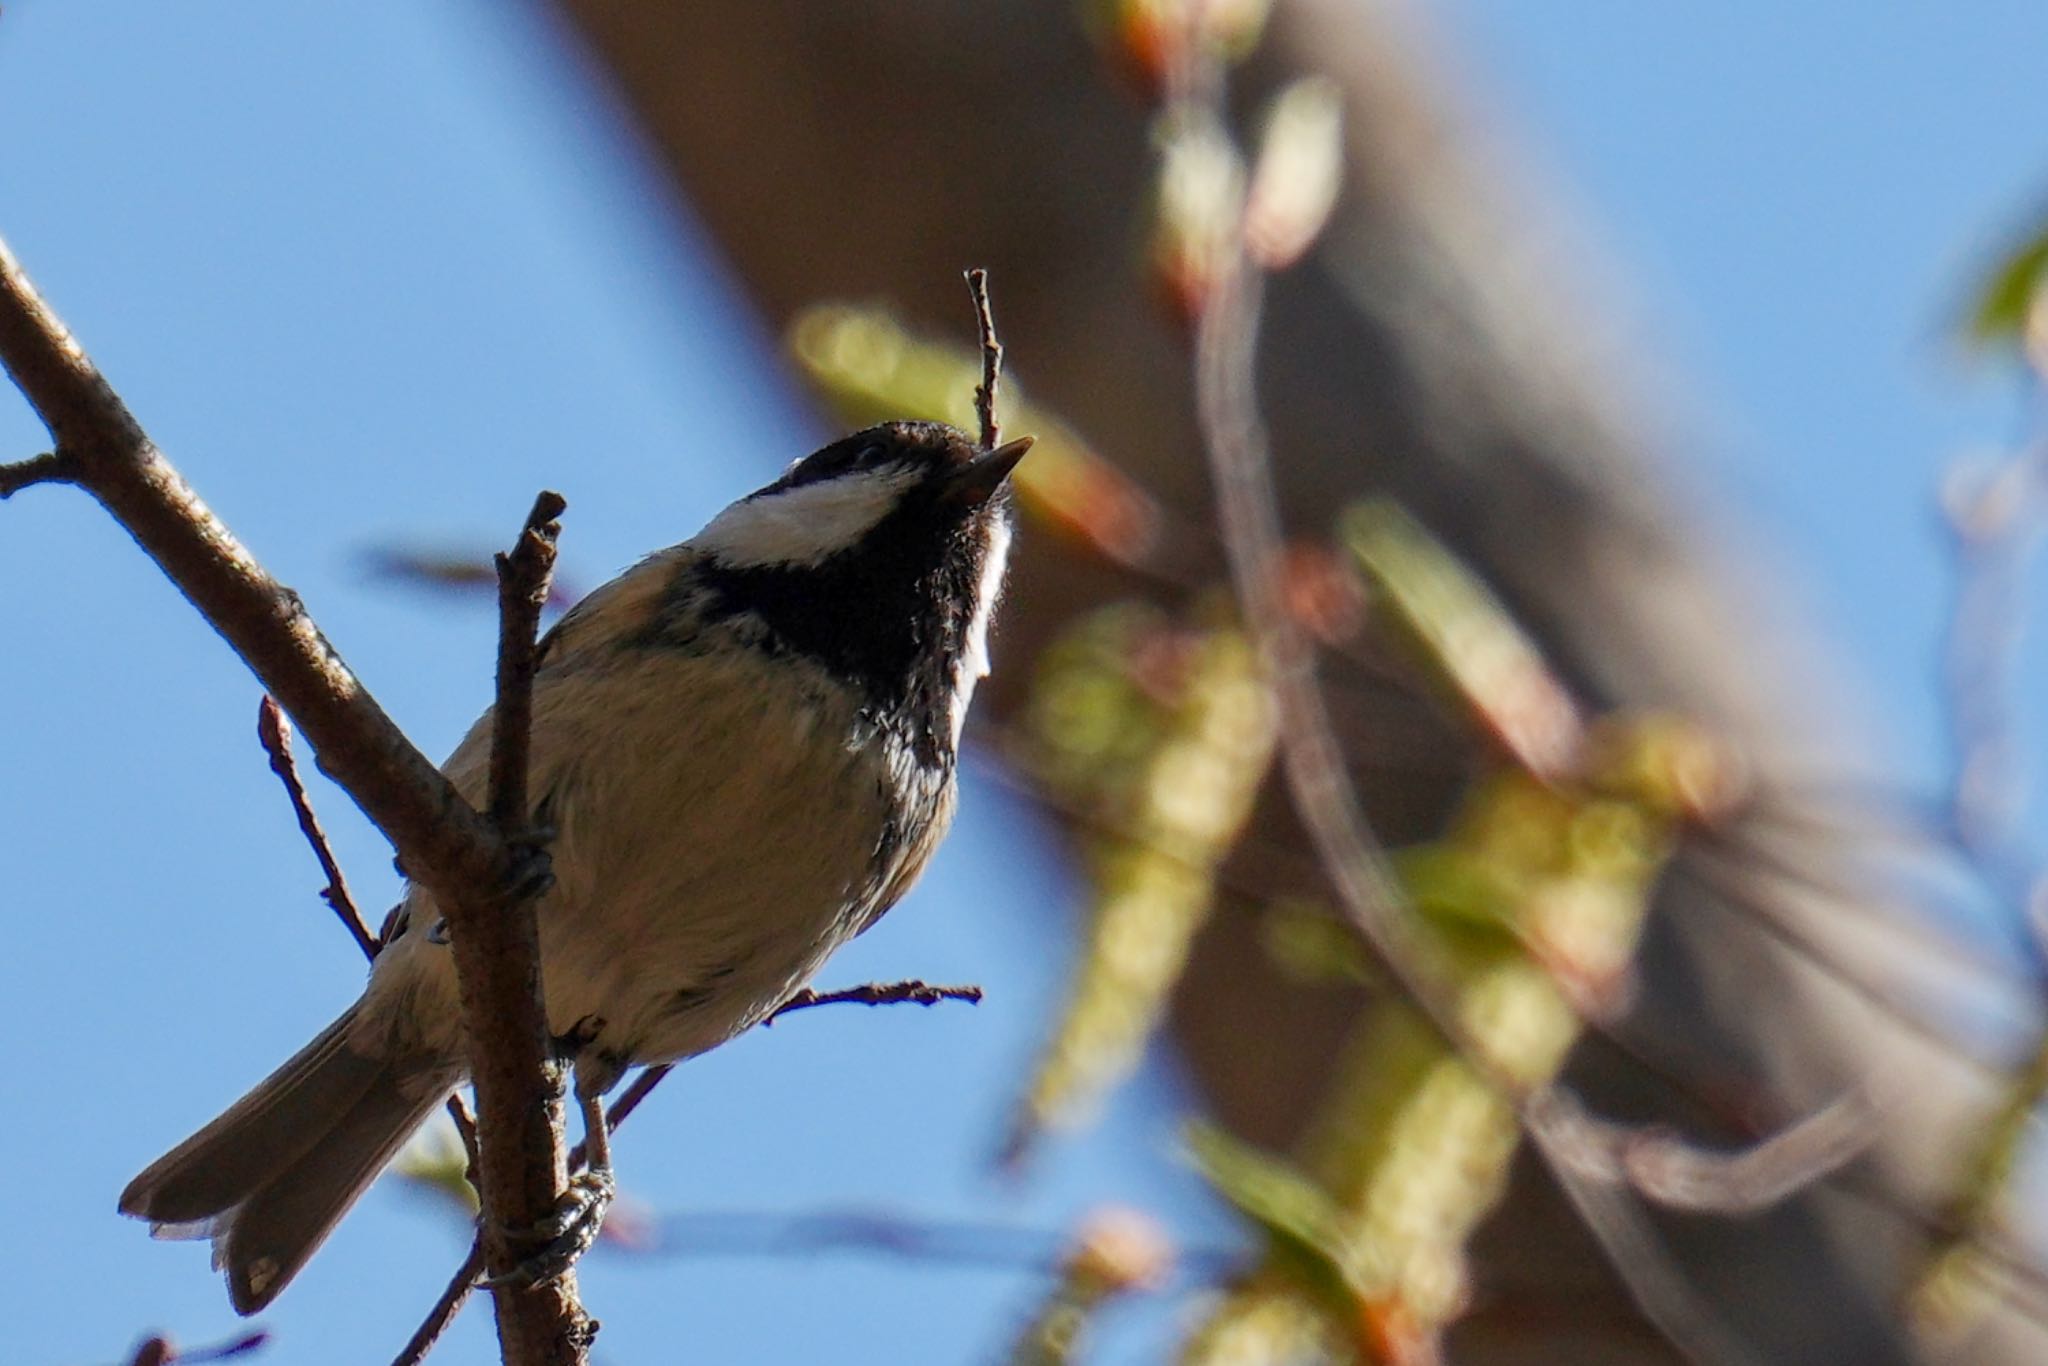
pixel 565 1234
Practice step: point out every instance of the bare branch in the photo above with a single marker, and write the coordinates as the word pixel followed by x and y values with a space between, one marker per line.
pixel 1240 459
pixel 1630 1243
pixel 443 843
pixel 991 360
pixel 274 731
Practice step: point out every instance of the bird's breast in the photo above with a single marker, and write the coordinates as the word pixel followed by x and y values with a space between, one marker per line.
pixel 721 828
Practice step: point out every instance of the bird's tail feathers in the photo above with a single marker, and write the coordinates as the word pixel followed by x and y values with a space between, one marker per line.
pixel 268 1180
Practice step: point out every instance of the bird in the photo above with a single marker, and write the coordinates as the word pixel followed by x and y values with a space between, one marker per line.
pixel 743 753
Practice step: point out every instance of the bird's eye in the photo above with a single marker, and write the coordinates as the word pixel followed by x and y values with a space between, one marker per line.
pixel 835 460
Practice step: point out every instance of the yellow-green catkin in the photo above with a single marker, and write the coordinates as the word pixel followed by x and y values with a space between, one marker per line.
pixel 1527 911
pixel 1529 905
pixel 1161 735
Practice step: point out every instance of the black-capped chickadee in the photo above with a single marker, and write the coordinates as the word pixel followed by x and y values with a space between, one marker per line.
pixel 744 749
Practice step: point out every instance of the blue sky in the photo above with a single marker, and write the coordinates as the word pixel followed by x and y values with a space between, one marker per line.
pixel 378 271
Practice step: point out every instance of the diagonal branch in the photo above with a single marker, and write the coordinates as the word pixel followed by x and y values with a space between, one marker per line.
pixel 443 843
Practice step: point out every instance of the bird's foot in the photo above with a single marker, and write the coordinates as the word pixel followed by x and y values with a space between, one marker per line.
pixel 533 864
pixel 563 1235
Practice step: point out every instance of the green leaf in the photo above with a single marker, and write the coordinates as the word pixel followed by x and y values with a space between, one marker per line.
pixel 2000 315
pixel 1293 1212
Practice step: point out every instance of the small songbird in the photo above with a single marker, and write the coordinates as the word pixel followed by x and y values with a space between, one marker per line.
pixel 743 754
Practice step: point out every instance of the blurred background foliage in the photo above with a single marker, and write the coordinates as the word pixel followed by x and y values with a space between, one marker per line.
pixel 1603 757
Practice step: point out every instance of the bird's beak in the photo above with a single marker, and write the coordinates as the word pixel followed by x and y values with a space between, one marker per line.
pixel 975 482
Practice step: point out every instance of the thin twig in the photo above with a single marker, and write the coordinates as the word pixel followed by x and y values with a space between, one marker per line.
pixel 523 579
pixel 49 468
pixel 945 1243
pixel 274 731
pixel 444 1309
pixel 876 994
pixel 1311 761
pixel 991 360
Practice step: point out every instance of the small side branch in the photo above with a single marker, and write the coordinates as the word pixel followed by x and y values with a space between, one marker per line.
pixel 161 1351
pixel 48 468
pixel 274 731
pixel 877 994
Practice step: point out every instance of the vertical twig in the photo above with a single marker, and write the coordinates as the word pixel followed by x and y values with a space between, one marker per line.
pixel 523 578
pixel 497 955
pixel 991 360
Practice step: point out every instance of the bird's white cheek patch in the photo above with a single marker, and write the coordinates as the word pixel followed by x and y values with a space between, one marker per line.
pixel 804 525
pixel 974 660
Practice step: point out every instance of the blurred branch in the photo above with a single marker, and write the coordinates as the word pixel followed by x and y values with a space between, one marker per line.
pixel 1676 1174
pixel 160 1351
pixel 1995 518
pixel 1234 436
pixel 442 842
